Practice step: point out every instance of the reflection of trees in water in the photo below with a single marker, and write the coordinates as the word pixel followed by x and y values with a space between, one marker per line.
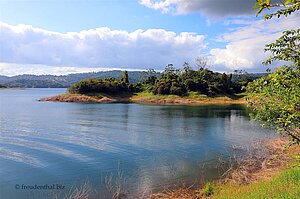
pixel 200 111
pixel 124 112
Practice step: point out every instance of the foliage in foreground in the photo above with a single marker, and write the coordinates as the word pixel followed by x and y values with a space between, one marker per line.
pixel 285 185
pixel 208 189
pixel 275 98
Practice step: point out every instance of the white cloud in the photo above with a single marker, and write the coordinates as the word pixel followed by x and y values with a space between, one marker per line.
pixel 245 45
pixel 100 47
pixel 165 6
pixel 212 8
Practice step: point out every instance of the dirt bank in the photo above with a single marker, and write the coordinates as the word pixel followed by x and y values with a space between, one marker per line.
pixel 84 99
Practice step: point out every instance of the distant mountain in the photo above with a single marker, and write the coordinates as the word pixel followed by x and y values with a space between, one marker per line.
pixel 3 78
pixel 64 81
pixel 242 76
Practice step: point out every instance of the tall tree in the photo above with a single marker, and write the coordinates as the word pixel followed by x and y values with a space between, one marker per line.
pixel 201 62
pixel 125 77
pixel 186 67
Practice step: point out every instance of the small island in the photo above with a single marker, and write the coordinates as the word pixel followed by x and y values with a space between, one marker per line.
pixel 172 86
pixel 2 87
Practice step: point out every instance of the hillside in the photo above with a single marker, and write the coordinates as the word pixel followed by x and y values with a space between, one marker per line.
pixel 65 81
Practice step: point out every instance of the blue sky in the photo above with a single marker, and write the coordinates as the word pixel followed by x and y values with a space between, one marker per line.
pixel 60 36
pixel 68 16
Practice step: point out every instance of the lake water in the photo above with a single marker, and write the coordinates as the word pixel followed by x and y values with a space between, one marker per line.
pixel 46 143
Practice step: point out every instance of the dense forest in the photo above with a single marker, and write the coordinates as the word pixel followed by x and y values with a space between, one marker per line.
pixel 170 82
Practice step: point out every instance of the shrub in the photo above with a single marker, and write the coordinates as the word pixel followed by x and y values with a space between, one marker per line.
pixel 208 189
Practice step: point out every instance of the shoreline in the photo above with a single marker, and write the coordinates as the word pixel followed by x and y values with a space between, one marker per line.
pixel 14 88
pixel 144 99
pixel 250 172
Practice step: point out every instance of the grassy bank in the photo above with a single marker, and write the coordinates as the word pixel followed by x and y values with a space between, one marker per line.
pixel 286 184
pixel 192 98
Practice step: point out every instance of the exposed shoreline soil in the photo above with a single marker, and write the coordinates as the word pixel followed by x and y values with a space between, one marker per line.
pixel 84 99
pixel 142 100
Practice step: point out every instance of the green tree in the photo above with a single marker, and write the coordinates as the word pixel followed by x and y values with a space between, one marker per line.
pixel 107 86
pixel 275 99
pixel 286 48
pixel 151 77
pixel 287 7
pixel 186 67
pixel 169 72
pixel 125 77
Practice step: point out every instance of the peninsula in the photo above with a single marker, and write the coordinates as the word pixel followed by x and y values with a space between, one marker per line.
pixel 186 87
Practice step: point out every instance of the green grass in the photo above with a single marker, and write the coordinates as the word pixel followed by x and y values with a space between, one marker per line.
pixel 285 185
pixel 190 98
pixel 196 95
pixel 149 95
pixel 190 95
pixel 208 189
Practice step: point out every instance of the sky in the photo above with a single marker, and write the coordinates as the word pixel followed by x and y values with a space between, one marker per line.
pixel 70 36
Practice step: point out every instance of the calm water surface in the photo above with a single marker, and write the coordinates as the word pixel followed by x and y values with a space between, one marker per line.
pixel 73 143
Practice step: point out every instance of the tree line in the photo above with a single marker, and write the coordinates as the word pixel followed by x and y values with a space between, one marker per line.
pixel 171 81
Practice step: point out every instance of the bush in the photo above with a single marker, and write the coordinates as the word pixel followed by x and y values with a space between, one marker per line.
pixel 208 189
pixel 108 86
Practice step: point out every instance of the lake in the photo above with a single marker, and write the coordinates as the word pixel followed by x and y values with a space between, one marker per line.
pixel 150 146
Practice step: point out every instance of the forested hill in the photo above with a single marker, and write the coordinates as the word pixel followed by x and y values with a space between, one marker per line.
pixel 64 81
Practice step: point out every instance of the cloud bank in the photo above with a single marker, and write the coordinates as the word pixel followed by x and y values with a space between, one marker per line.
pixel 100 47
pixel 212 8
pixel 25 49
pixel 245 45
